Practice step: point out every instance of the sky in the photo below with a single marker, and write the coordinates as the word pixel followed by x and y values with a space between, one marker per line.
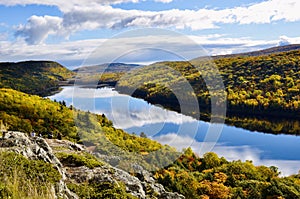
pixel 70 31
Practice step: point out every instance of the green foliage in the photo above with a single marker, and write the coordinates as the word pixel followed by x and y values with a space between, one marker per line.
pixel 23 178
pixel 77 160
pixel 33 77
pixel 93 190
pixel 215 177
pixel 98 130
pixel 266 87
pixel 34 169
pixel 23 112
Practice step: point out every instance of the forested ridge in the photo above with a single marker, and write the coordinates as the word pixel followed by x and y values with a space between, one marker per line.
pixel 259 89
pixel 33 77
pixel 268 84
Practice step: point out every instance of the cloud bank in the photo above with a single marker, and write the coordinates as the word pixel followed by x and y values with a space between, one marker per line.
pixel 81 15
pixel 72 53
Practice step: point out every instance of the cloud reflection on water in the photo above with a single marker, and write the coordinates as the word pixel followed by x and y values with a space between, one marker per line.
pixel 177 130
pixel 243 153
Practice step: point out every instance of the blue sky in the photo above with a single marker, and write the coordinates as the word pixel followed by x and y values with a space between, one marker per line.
pixel 68 32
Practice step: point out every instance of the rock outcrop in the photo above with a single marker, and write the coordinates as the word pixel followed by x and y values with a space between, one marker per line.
pixel 36 148
pixel 141 186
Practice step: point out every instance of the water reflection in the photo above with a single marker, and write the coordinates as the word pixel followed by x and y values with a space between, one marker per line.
pixel 168 127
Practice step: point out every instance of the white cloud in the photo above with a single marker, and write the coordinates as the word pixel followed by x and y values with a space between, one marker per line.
pixel 72 53
pixel 81 15
pixel 65 5
pixel 3 36
pixel 284 40
pixel 2 24
pixel 39 28
pixel 267 12
pixel 81 18
pixel 62 52
pixel 164 1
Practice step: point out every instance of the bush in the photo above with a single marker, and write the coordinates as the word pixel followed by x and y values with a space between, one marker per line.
pixel 77 160
pixel 21 178
pixel 95 190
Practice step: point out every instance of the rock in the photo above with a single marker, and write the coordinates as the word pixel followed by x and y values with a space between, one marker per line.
pixel 112 160
pixel 36 148
pixel 133 185
pixel 141 186
pixel 65 144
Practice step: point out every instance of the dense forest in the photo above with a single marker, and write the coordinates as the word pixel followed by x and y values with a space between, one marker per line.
pixel 259 89
pixel 33 77
pixel 215 177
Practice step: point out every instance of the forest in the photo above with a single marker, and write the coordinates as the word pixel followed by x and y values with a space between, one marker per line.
pixel 260 90
pixel 33 77
pixel 214 177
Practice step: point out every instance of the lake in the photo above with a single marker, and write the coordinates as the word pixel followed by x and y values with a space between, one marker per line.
pixel 168 127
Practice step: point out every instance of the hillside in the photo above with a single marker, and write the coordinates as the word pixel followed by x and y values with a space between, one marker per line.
pixel 88 76
pixel 37 168
pixel 33 77
pixel 60 168
pixel 27 113
pixel 265 87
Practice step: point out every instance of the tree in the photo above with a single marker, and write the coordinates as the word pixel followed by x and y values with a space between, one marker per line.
pixel 143 135
pixel 3 127
pixel 211 160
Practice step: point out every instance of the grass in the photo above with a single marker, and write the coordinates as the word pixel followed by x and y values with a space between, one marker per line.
pixel 21 178
pixel 77 160
pixel 18 186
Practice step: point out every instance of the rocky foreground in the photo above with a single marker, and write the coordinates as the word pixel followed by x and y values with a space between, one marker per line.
pixel 36 148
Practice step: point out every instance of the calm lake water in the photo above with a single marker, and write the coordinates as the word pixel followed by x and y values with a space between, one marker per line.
pixel 168 127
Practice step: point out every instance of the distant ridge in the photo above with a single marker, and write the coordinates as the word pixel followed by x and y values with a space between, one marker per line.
pixel 108 67
pixel 267 51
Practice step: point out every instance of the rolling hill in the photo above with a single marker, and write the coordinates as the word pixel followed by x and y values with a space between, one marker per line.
pixel 263 87
pixel 108 67
pixel 33 77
